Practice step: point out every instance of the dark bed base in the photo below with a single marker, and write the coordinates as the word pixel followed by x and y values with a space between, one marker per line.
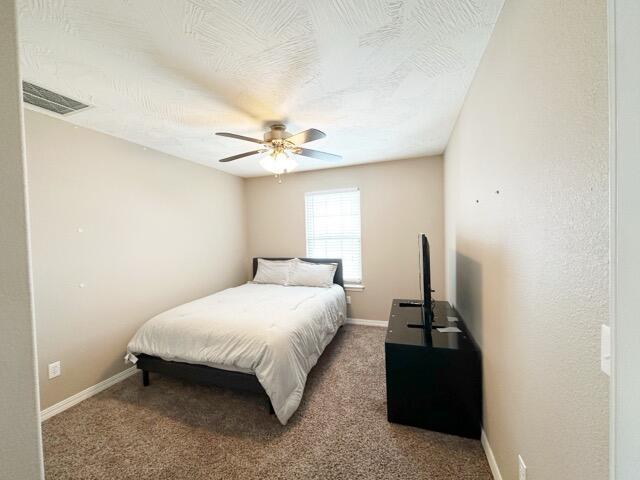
pixel 215 376
pixel 200 374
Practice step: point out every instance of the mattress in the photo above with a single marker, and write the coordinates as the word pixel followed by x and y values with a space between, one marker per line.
pixel 274 332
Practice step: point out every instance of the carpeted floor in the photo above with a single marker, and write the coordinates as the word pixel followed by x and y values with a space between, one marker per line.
pixel 175 430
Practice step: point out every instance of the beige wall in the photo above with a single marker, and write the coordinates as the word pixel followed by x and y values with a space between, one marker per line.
pixel 156 231
pixel 398 200
pixel 20 443
pixel 527 267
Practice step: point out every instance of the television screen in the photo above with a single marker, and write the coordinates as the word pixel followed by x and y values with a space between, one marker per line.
pixel 425 278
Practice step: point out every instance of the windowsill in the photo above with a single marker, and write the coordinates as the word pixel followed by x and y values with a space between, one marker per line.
pixel 354 287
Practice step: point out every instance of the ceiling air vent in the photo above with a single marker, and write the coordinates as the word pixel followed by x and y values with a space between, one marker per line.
pixel 54 102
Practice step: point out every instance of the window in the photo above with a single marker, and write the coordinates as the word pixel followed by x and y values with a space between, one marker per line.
pixel 333 229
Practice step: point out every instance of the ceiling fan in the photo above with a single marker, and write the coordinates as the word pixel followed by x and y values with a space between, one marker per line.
pixel 278 147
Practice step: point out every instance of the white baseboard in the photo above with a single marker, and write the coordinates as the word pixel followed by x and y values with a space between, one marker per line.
pixel 84 394
pixel 369 323
pixel 495 471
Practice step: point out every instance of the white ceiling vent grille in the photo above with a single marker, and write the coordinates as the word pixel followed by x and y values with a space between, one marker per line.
pixel 51 101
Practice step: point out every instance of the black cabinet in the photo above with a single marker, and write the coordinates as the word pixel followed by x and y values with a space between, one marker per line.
pixel 434 379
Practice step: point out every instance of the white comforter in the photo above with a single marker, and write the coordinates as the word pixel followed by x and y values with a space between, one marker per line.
pixel 273 331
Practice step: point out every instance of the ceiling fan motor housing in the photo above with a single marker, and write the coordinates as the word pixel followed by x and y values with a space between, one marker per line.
pixel 277 132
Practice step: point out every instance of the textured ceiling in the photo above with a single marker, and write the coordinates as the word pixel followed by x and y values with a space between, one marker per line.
pixel 384 79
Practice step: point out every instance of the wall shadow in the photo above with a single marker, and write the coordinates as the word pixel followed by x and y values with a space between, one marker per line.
pixel 469 290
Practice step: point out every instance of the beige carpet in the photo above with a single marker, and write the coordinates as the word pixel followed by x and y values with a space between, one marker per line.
pixel 175 430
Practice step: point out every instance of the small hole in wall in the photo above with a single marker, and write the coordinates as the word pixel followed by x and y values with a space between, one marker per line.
pixel 477 201
pixel 497 192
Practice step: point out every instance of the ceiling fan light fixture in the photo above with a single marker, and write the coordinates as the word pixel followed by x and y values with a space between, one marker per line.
pixel 278 161
pixel 278 149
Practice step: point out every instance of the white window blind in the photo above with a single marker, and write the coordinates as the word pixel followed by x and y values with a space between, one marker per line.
pixel 333 229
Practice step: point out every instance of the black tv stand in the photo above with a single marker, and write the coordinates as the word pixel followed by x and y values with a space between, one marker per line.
pixel 434 379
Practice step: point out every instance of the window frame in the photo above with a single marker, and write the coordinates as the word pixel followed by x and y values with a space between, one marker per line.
pixel 349 283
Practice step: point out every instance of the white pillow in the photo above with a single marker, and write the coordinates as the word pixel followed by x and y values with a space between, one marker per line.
pixel 273 271
pixel 311 274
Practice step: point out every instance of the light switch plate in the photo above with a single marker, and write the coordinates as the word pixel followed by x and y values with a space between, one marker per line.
pixel 522 469
pixel 54 370
pixel 605 349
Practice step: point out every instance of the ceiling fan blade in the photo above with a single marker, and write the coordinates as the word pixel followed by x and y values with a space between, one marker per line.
pixel 239 137
pixel 306 136
pixel 330 157
pixel 240 155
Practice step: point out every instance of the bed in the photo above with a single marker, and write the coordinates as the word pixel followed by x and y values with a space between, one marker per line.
pixel 256 337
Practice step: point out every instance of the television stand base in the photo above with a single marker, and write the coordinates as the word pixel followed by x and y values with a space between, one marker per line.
pixel 434 379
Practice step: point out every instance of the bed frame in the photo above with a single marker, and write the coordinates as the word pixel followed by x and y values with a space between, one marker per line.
pixel 215 376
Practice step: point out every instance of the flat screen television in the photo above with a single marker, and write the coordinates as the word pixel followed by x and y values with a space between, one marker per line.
pixel 426 302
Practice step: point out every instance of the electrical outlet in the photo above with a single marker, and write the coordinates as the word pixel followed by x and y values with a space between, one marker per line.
pixel 348 300
pixel 54 370
pixel 522 469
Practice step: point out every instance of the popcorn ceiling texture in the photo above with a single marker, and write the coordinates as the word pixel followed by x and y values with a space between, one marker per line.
pixel 384 79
